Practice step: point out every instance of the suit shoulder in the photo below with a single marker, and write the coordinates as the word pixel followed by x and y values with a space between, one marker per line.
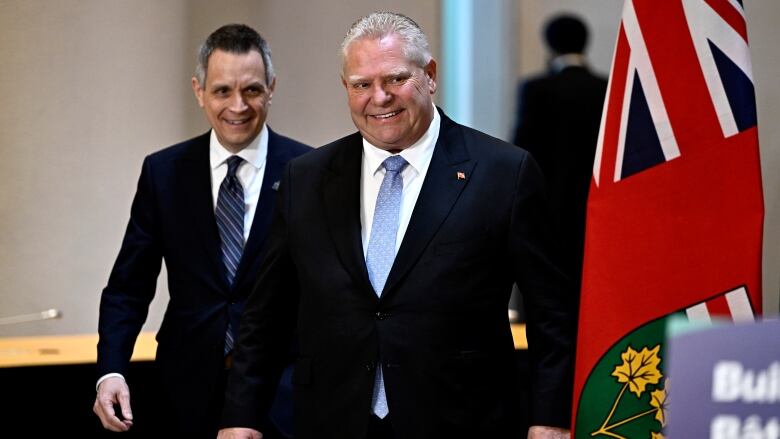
pixel 289 147
pixel 325 154
pixel 535 79
pixel 534 82
pixel 497 159
pixel 580 76
pixel 597 77
pixel 175 151
pixel 486 147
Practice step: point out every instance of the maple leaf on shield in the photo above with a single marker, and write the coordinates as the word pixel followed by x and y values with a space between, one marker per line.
pixel 659 400
pixel 639 369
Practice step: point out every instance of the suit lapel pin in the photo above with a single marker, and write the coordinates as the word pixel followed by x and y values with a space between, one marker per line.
pixel 461 176
pixel 275 186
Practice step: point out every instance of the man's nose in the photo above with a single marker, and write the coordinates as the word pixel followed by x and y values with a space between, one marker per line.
pixel 381 96
pixel 237 103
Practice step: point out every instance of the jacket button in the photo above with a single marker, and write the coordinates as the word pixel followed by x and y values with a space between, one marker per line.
pixel 370 366
pixel 381 315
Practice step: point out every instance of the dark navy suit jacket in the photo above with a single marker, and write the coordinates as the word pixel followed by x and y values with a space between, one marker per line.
pixel 440 330
pixel 172 219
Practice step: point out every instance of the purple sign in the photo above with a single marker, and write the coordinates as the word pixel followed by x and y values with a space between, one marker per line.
pixel 725 383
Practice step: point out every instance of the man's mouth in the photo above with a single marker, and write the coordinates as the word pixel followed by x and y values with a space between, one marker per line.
pixel 386 115
pixel 236 122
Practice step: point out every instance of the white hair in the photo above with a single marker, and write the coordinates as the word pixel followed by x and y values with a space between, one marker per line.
pixel 381 24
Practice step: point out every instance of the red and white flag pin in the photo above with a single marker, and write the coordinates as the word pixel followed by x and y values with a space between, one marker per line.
pixel 461 176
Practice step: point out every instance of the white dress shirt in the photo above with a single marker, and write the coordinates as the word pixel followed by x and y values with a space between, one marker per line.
pixel 372 173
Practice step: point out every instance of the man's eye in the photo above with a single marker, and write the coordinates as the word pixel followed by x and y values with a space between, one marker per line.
pixel 254 91
pixel 360 85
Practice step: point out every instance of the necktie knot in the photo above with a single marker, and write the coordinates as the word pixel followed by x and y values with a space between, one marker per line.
pixel 394 163
pixel 233 163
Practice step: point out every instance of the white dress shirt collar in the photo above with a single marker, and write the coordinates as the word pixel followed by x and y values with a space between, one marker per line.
pixel 251 177
pixel 372 173
pixel 418 155
pixel 254 153
pixel 561 62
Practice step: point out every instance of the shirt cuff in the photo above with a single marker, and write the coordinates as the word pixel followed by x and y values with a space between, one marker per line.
pixel 107 376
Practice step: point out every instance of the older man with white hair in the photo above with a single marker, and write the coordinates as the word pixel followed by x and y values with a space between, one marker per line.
pixel 391 259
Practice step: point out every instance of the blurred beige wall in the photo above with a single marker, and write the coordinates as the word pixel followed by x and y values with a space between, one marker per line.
pixel 89 87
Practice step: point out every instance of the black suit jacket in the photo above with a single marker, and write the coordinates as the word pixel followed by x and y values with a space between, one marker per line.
pixel 558 120
pixel 172 219
pixel 440 330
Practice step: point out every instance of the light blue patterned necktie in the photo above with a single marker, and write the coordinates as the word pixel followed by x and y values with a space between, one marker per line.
pixel 230 222
pixel 381 251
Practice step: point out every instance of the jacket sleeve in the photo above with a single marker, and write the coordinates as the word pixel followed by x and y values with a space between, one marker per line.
pixel 125 301
pixel 549 298
pixel 267 326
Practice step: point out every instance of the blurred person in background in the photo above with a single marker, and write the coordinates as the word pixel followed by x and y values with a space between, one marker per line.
pixel 558 119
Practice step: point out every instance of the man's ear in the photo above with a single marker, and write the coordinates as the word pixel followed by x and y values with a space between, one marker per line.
pixel 430 75
pixel 271 88
pixel 198 91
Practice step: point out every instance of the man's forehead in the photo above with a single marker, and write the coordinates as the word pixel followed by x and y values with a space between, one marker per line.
pixel 246 66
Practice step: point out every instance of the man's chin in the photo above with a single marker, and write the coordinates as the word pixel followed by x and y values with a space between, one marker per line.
pixel 388 143
pixel 235 143
pixel 386 146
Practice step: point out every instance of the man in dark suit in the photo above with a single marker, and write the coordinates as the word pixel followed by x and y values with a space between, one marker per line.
pixel 204 207
pixel 558 121
pixel 422 349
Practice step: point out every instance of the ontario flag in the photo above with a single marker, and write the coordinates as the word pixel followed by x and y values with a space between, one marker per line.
pixel 675 211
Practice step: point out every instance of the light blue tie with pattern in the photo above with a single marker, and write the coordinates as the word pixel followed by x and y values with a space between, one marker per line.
pixel 230 222
pixel 381 251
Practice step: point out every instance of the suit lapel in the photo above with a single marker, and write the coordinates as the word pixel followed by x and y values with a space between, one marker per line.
pixel 341 195
pixel 196 184
pixel 447 175
pixel 274 165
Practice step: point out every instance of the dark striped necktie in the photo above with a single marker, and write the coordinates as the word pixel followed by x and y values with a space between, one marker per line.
pixel 230 222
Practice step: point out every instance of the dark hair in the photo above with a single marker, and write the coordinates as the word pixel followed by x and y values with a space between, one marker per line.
pixel 566 34
pixel 233 38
